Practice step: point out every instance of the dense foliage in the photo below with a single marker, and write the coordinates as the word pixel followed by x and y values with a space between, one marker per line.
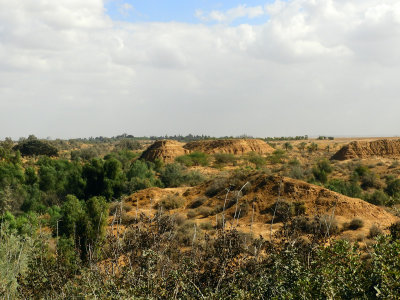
pixel 55 243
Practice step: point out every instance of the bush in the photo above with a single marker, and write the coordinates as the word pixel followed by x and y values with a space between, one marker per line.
pixel 197 202
pixel 283 211
pixel 395 230
pixel 374 231
pixel 224 159
pixel 370 180
pixel 205 211
pixel 128 144
pixel 321 170
pixel 192 213
pixel 277 156
pixel 393 187
pixel 356 223
pixel 174 175
pixel 170 202
pixel 218 185
pixel 256 159
pixel 299 208
pixel 206 226
pixel 193 159
pixel 115 208
pixel 296 172
pixel 377 198
pixel 85 154
pixel 33 146
pixel 351 189
pixel 186 233
pixel 193 178
pixel 242 210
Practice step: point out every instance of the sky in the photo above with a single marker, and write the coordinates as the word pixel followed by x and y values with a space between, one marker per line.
pixel 72 68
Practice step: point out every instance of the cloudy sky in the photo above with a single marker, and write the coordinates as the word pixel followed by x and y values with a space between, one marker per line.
pixel 73 68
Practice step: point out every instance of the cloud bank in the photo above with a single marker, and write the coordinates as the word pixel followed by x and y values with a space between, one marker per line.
pixel 315 67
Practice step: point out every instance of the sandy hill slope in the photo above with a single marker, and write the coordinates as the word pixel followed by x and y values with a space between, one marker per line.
pixel 166 150
pixel 257 200
pixel 360 149
pixel 233 146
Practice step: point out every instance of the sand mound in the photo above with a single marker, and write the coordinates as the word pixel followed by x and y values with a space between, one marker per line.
pixel 166 150
pixel 382 148
pixel 262 194
pixel 233 146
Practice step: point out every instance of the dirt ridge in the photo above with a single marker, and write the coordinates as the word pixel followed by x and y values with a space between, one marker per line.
pixel 166 150
pixel 360 149
pixel 232 146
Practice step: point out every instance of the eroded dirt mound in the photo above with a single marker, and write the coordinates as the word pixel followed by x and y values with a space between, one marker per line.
pixel 360 149
pixel 233 146
pixel 257 200
pixel 166 150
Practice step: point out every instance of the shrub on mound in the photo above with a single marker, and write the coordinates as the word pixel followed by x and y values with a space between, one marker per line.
pixel 171 202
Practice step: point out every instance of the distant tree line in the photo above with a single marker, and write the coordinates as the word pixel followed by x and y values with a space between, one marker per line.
pixel 287 138
pixel 321 137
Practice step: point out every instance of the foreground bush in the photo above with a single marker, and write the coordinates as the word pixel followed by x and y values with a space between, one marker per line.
pixel 148 261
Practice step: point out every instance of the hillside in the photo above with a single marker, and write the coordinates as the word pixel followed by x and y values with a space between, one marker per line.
pixel 262 192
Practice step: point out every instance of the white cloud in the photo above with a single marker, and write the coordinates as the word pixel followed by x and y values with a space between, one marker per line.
pixel 315 67
pixel 241 11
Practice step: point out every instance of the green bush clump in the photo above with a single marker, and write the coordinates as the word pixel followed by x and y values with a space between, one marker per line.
pixel 377 198
pixel 256 159
pixel 348 188
pixel 174 175
pixel 193 159
pixel 277 156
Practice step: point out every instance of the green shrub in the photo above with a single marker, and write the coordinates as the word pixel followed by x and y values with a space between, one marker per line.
pixel 33 146
pixel 194 159
pixel 256 159
pixel 277 156
pixel 393 187
pixel 321 170
pixel 174 175
pixel 348 188
pixel 377 198
pixel 193 178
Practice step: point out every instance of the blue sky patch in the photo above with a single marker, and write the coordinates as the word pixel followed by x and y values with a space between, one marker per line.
pixel 196 11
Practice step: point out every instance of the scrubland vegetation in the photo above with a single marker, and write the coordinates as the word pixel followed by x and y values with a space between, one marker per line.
pixel 66 231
